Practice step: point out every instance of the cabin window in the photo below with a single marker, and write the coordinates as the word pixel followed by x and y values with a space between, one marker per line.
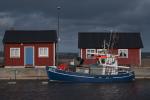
pixel 14 52
pixel 123 53
pixel 43 52
pixel 100 51
pixel 90 53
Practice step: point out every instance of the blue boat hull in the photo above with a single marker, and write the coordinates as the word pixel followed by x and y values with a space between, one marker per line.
pixel 59 75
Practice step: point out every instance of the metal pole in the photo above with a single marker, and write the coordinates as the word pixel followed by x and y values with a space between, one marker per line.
pixel 58 14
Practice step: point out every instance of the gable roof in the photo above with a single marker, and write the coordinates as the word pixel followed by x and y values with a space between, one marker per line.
pixel 121 40
pixel 26 36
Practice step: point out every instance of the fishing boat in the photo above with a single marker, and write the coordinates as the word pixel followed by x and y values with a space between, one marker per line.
pixel 106 70
pixel 55 74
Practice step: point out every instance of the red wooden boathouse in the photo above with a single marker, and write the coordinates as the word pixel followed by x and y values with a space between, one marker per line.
pixel 126 45
pixel 23 48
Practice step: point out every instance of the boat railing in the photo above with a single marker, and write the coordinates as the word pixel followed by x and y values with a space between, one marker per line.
pixel 101 70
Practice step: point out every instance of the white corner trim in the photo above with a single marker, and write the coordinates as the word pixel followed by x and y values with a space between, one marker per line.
pixel 54 54
pixel 140 56
pixel 81 53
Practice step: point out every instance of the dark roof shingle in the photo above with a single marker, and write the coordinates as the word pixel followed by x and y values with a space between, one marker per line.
pixel 121 40
pixel 26 36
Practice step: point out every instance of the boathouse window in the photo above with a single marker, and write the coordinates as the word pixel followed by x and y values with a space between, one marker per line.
pixel 43 52
pixel 90 53
pixel 14 52
pixel 123 53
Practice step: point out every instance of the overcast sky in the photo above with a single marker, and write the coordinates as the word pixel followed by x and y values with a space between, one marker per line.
pixel 77 16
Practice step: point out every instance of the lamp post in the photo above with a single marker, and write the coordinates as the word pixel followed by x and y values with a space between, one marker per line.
pixel 58 26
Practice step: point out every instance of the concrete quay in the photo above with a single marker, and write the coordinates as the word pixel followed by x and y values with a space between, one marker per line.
pixel 142 72
pixel 23 73
pixel 40 73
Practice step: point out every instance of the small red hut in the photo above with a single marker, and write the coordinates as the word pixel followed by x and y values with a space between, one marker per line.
pixel 23 48
pixel 126 45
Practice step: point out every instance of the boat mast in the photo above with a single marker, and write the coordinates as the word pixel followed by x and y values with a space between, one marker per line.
pixel 110 40
pixel 104 44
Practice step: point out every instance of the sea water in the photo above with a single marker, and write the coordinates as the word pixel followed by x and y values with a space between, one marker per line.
pixel 36 90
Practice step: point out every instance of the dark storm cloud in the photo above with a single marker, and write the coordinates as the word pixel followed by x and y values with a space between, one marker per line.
pixel 70 8
pixel 77 15
pixel 104 11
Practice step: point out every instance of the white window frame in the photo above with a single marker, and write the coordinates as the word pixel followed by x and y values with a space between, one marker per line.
pixel 14 53
pixel 43 54
pixel 88 52
pixel 100 50
pixel 124 51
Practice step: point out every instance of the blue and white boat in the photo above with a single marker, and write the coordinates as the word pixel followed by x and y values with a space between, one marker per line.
pixel 107 70
pixel 55 74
